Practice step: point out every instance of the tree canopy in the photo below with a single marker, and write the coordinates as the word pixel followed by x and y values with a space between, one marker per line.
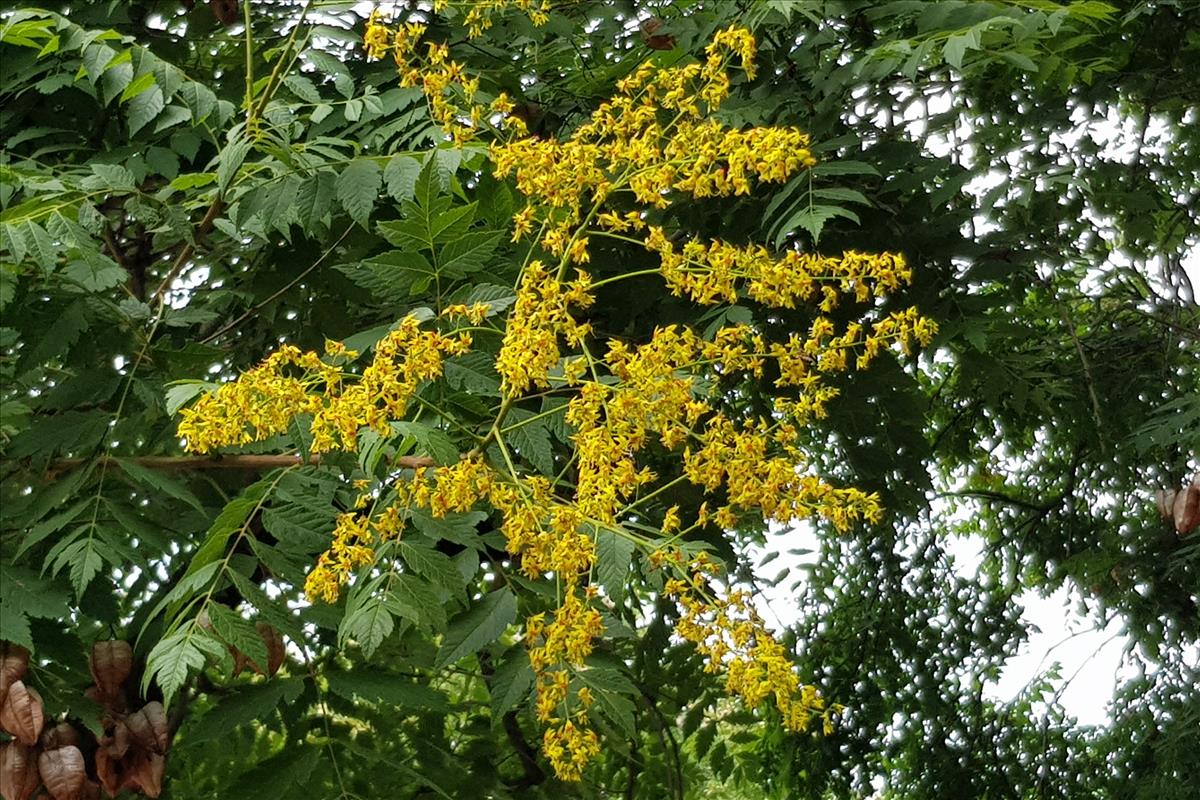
pixel 396 401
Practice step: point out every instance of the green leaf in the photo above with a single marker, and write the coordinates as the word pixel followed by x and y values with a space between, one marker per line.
pixel 460 528
pixel 314 201
pixel 358 188
pixel 511 682
pixel 237 632
pixel 431 441
pixel 229 161
pixel 619 710
pixel 607 680
pixel 144 108
pixel 467 254
pixel 401 175
pixel 474 372
pixel 614 557
pixel 247 704
pixel 24 594
pixel 844 168
pixel 97 274
pixel 449 225
pixel 368 625
pixel 957 46
pixel 14 627
pixel 173 659
pixel 531 440
pixel 160 482
pixel 304 528
pixel 232 518
pixel 85 556
pixel 481 625
pixel 842 195
pixel 180 393
pixel 377 686
pixel 430 564
pixel 273 612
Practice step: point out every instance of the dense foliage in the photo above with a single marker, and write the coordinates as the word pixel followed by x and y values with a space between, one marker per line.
pixel 500 333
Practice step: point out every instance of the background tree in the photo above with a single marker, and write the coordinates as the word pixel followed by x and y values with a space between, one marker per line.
pixel 186 187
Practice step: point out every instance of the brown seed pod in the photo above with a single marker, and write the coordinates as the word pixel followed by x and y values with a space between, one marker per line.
pixel 113 703
pixel 146 773
pixel 148 727
pixel 63 772
pixel 22 714
pixel 226 11
pixel 111 663
pixel 654 37
pixel 1165 499
pixel 14 660
pixel 1187 508
pixel 90 791
pixel 61 735
pixel 18 771
pixel 110 772
pixel 115 741
pixel 276 651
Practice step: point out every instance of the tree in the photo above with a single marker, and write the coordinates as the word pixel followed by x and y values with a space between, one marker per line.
pixel 496 332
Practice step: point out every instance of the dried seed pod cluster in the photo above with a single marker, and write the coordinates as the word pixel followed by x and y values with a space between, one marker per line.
pixel 130 756
pixel 132 752
pixel 1181 506
pixel 37 756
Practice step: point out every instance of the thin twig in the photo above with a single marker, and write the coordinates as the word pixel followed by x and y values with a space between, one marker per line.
pixel 276 295
pixel 181 260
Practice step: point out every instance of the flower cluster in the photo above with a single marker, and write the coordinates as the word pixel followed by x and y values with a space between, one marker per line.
pixel 545 535
pixel 261 403
pixel 264 400
pixel 354 540
pixel 653 143
pixel 713 273
pixel 540 316
pixel 453 96
pixel 480 12
pixel 729 632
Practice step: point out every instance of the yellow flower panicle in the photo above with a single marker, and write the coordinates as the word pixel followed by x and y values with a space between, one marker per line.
pixel 570 748
pixel 264 400
pixel 540 317
pixel 453 96
pixel 731 635
pixel 354 538
pixel 714 272
pixel 653 142
pixel 261 403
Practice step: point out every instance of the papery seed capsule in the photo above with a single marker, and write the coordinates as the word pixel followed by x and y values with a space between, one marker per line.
pixel 1165 499
pixel 18 771
pixel 1187 508
pixel 146 773
pixel 14 660
pixel 22 714
pixel 63 772
pixel 111 663
pixel 149 727
pixel 116 741
pixel 110 772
